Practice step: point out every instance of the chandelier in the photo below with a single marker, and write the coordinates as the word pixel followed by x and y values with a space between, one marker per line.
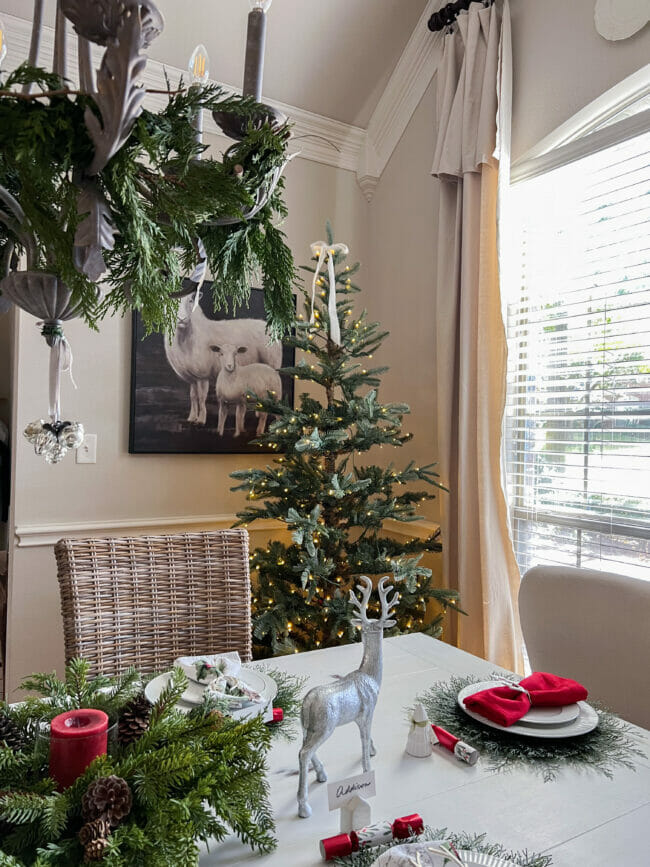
pixel 105 206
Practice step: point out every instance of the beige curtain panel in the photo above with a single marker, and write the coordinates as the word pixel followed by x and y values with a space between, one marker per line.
pixel 474 84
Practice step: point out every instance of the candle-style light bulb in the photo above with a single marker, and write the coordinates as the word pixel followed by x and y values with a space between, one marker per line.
pixel 199 65
pixel 3 43
pixel 263 5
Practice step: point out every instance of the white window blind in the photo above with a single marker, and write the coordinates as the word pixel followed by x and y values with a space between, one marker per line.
pixel 578 387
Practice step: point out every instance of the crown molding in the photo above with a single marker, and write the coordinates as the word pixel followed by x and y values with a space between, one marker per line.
pixel 317 138
pixel 406 87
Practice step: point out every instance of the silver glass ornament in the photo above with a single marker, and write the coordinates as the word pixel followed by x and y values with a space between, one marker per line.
pixel 351 698
pixel 53 440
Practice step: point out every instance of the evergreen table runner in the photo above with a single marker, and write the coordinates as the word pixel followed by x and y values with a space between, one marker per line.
pixel 611 744
pixel 469 842
pixel 170 779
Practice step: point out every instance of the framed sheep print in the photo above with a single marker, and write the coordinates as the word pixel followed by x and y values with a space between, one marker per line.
pixel 187 390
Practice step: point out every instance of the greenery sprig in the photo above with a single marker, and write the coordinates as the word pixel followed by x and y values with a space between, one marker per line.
pixel 159 196
pixel 609 745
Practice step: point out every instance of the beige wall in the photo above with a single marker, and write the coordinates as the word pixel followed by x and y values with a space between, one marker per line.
pixel 399 280
pixel 122 486
pixel 561 64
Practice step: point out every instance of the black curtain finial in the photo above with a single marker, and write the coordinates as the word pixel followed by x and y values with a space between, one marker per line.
pixel 446 16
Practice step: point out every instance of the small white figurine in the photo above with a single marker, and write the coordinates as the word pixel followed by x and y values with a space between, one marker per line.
pixel 420 734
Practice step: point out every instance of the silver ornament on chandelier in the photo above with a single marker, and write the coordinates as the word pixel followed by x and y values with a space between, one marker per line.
pixel 55 438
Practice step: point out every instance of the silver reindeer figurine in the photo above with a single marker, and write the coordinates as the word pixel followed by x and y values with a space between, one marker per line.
pixel 351 698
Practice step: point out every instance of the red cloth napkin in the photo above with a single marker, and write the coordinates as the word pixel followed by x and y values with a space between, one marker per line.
pixel 505 705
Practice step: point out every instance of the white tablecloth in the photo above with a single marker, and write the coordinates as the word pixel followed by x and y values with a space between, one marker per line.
pixel 580 819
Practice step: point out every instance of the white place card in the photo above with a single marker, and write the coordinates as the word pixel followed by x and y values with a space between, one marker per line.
pixel 363 786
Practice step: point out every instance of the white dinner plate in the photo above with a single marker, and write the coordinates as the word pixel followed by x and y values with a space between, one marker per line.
pixel 586 720
pixel 257 680
pixel 405 855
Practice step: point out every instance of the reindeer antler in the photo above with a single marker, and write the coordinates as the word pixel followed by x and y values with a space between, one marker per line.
pixel 362 604
pixel 386 603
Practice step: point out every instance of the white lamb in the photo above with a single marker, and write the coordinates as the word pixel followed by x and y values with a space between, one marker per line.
pixel 190 357
pixel 236 380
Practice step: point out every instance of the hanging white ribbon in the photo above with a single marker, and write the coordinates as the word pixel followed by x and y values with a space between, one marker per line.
pixel 327 252
pixel 198 274
pixel 60 362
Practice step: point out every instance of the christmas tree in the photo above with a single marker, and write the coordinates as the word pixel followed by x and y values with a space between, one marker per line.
pixel 333 503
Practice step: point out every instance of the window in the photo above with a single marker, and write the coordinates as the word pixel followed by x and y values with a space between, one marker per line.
pixel 577 418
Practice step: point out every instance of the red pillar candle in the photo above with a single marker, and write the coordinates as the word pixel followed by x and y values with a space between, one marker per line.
pixel 76 738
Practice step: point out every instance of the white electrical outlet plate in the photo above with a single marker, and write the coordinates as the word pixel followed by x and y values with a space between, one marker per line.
pixel 87 451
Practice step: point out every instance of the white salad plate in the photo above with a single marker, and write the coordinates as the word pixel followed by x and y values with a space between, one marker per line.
pixel 193 695
pixel 419 853
pixel 585 721
pixel 478 859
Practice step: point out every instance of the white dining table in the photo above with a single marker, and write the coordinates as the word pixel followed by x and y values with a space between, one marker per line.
pixel 581 819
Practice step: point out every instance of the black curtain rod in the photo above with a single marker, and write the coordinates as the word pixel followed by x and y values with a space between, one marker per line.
pixel 446 16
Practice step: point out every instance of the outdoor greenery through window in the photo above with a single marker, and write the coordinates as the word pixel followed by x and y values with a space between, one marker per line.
pixel 578 394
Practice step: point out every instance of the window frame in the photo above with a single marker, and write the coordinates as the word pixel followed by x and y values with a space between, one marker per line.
pixel 591 130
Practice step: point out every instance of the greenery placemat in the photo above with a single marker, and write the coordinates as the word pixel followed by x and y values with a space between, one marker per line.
pixel 289 698
pixel 469 842
pixel 611 744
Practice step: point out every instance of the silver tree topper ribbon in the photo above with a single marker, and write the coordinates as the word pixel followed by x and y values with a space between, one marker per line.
pixel 327 252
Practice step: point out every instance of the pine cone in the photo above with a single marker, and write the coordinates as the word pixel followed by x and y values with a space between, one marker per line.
pixel 134 720
pixel 94 851
pixel 108 797
pixel 10 734
pixel 217 718
pixel 98 829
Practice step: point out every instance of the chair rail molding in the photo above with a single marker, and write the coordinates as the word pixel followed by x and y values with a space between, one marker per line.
pixel 45 535
pixel 316 138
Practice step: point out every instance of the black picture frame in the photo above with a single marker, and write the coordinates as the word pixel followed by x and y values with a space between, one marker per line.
pixel 160 399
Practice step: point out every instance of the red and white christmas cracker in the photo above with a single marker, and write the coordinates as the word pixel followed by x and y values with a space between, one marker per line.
pixel 459 748
pixel 373 835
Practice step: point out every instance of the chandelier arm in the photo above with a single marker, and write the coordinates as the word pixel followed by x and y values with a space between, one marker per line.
pixel 59 66
pixel 35 44
pixel 26 238
pixel 5 263
pixel 86 71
